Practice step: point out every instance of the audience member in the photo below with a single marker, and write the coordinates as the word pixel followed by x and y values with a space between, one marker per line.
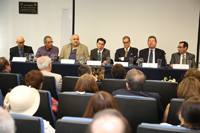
pixel 74 50
pixel 18 51
pixel 135 81
pixel 7 124
pixel 86 83
pixel 48 49
pixel 123 54
pixel 188 86
pixel 25 100
pixel 101 100
pixel 45 66
pixel 35 79
pixel 83 69
pixel 118 71
pixel 152 54
pixel 192 72
pixel 109 121
pixel 5 67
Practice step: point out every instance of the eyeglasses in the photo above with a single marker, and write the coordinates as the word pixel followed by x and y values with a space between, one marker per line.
pixel 101 96
pixel 180 47
pixel 126 42
pixel 50 42
pixel 20 42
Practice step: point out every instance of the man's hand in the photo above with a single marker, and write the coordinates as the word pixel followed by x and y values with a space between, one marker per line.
pixel 171 65
pixel 35 59
pixel 105 62
pixel 88 58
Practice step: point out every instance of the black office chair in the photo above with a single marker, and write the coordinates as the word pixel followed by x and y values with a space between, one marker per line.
pixel 157 128
pixel 50 85
pixel 72 124
pixel 1 99
pixel 30 124
pixel 175 105
pixel 8 81
pixel 166 90
pixel 110 85
pixel 73 104
pixel 44 109
pixel 137 109
pixel 69 83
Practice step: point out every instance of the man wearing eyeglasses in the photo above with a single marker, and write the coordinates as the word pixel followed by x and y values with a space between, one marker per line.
pixel 18 51
pixel 123 54
pixel 182 56
pixel 48 49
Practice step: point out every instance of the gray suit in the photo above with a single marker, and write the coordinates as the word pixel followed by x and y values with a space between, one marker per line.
pixel 94 56
pixel 175 59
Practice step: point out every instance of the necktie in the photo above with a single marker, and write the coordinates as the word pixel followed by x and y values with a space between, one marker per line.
pixel 151 57
pixel 183 60
pixel 21 53
pixel 99 56
pixel 126 53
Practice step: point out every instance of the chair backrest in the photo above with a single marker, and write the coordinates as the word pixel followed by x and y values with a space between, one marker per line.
pixel 8 81
pixel 73 104
pixel 175 105
pixel 166 90
pixel 50 85
pixel 137 109
pixel 72 124
pixel 157 128
pixel 1 99
pixel 44 109
pixel 30 124
pixel 110 85
pixel 69 83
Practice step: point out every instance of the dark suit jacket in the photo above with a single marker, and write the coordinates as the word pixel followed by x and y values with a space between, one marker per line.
pixel 94 56
pixel 20 76
pixel 159 54
pixel 143 94
pixel 14 51
pixel 175 59
pixel 133 52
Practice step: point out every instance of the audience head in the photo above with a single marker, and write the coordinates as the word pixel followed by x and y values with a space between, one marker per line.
pixel 44 63
pixel 48 42
pixel 22 100
pixel 152 42
pixel 20 42
pixel 126 41
pixel 86 83
pixel 74 40
pixel 189 85
pixel 182 47
pixel 189 113
pixel 100 43
pixel 109 121
pixel 83 69
pixel 118 71
pixel 7 124
pixel 35 79
pixel 192 72
pixel 101 100
pixel 135 80
pixel 5 64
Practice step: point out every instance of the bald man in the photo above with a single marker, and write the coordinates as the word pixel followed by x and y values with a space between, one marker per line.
pixel 20 49
pixel 74 50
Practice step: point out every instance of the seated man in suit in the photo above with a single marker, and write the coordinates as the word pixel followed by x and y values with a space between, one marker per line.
pixel 48 49
pixel 5 67
pixel 45 66
pixel 123 54
pixel 151 54
pixel 135 80
pixel 18 51
pixel 182 56
pixel 100 53
pixel 74 50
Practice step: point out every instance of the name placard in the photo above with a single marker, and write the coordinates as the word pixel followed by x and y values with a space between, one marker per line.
pixel 92 63
pixel 180 66
pixel 67 61
pixel 19 59
pixel 152 65
pixel 125 64
pixel 28 8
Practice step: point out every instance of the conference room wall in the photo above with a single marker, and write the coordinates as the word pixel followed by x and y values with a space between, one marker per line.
pixel 33 28
pixel 171 21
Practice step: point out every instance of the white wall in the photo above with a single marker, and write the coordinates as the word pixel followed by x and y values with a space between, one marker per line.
pixel 32 27
pixel 170 21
